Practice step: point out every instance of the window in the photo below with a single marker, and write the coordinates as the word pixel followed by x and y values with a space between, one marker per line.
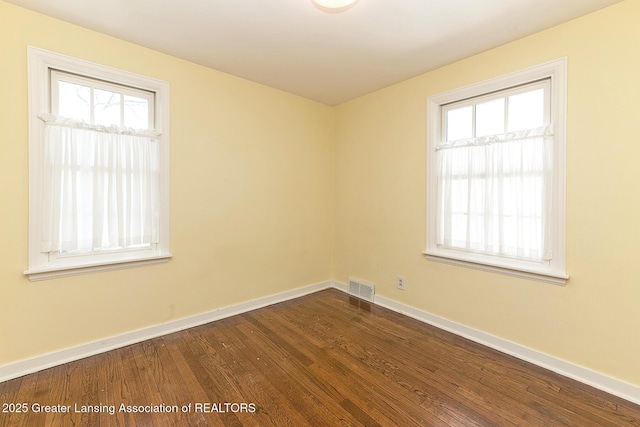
pixel 98 168
pixel 495 182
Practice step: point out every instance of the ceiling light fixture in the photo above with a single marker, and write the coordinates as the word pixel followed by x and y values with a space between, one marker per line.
pixel 334 6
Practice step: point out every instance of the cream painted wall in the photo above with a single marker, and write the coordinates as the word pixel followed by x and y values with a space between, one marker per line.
pixel 251 190
pixel 380 200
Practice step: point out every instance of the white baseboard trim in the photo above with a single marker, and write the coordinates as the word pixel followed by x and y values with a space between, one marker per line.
pixel 38 363
pixel 595 379
pixel 587 376
pixel 340 286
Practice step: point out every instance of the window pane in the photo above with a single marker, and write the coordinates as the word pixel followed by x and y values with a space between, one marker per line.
pixel 106 108
pixel 74 101
pixel 459 123
pixel 136 112
pixel 526 110
pixel 490 118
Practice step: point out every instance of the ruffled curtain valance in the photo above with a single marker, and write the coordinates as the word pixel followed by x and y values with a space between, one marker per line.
pixel 541 132
pixel 53 120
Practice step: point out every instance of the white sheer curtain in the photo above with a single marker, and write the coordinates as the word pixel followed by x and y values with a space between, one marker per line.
pixel 494 194
pixel 100 188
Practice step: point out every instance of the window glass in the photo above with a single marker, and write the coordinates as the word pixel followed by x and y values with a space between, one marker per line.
pixel 106 108
pixel 490 118
pixel 460 123
pixel 136 112
pixel 526 110
pixel 101 103
pixel 74 101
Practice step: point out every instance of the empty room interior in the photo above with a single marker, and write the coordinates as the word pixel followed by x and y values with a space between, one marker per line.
pixel 314 242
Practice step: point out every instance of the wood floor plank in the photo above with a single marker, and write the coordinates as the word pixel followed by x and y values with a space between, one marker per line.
pixel 326 359
pixel 361 354
pixel 238 380
pixel 359 389
pixel 276 369
pixel 320 378
pixel 24 387
pixel 113 389
pixel 381 358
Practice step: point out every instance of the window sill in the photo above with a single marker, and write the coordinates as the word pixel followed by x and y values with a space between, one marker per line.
pixel 46 273
pixel 549 277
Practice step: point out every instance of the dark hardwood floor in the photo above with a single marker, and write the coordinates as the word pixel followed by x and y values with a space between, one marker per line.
pixel 321 360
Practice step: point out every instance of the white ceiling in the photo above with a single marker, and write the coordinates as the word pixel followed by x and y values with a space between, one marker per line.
pixel 331 58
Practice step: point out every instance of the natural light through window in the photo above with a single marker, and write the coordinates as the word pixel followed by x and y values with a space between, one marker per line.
pixel 82 99
pixel 108 195
pixel 98 168
pixel 496 176
pixel 492 195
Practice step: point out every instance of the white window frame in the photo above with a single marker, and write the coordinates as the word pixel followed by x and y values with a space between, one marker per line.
pixel 41 265
pixel 553 271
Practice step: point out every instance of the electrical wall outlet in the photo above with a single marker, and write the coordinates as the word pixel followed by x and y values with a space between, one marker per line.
pixel 400 282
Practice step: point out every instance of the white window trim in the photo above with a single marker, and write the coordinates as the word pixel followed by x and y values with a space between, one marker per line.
pixel 553 271
pixel 40 62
